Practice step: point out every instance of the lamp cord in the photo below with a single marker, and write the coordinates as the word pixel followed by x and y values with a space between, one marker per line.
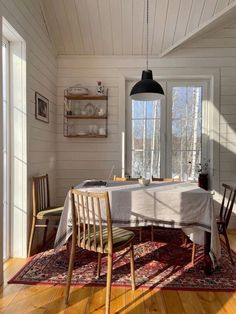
pixel 147 31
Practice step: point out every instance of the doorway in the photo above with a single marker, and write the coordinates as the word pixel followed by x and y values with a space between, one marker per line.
pixel 165 137
pixel 14 143
pixel 6 147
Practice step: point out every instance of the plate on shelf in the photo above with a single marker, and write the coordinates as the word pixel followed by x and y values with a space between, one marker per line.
pixel 77 90
pixel 82 133
pixel 90 109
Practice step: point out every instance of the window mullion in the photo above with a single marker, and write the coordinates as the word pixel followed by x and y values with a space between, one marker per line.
pixel 154 152
pixel 144 138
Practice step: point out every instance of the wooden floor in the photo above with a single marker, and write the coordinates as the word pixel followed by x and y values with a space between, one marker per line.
pixel 44 299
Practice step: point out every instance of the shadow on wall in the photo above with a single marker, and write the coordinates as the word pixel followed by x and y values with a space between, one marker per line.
pixel 227 162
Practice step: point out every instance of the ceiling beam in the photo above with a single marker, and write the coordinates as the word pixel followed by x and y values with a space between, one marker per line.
pixel 220 18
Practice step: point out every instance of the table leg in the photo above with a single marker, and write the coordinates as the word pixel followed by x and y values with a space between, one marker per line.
pixel 207 247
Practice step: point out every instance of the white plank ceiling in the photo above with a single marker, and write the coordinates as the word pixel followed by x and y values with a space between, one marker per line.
pixel 118 27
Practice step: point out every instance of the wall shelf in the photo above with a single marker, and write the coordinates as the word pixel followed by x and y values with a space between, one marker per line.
pixel 81 109
pixel 87 136
pixel 86 97
pixel 84 117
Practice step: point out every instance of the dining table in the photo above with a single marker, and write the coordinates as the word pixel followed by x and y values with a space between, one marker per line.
pixel 164 204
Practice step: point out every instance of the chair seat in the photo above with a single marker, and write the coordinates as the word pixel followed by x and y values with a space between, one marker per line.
pixel 120 237
pixel 52 212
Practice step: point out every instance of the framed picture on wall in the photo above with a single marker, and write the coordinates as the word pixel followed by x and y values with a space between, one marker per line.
pixel 41 108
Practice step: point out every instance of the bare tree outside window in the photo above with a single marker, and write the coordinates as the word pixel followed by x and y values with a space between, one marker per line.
pixel 186 132
pixel 145 138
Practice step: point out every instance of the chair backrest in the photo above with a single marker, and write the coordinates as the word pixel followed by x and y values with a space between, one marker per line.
pixel 227 203
pixel 115 178
pixel 163 179
pixel 87 219
pixel 40 189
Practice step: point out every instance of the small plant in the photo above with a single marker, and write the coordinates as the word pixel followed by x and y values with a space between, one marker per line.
pixel 203 168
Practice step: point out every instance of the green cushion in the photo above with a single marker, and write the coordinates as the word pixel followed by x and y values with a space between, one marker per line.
pixel 50 213
pixel 120 237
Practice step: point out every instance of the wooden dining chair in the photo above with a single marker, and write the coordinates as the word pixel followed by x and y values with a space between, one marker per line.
pixel 90 233
pixel 226 209
pixel 41 208
pixel 164 179
pixel 115 178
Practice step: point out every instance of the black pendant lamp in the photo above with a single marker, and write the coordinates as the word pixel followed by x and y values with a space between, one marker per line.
pixel 147 88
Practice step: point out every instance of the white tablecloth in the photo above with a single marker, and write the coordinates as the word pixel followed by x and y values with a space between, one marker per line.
pixel 166 204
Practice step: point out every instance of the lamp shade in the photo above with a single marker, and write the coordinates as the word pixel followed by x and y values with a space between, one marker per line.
pixel 147 88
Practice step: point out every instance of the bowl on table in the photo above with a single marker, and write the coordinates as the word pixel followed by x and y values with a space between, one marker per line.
pixel 143 181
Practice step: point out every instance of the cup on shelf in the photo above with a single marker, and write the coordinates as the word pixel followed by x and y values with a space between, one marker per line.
pixel 90 129
pixel 77 112
pixel 102 131
pixel 95 129
pixel 101 112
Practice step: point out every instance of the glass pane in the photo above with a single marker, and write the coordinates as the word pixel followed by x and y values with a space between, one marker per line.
pixel 150 109
pixel 138 128
pixel 137 109
pixel 179 102
pixel 148 164
pixel 153 109
pixel 193 164
pixel 155 171
pixel 149 134
pixel 137 163
pixel 186 131
pixel 5 83
pixel 179 165
pixel 145 136
pixel 178 135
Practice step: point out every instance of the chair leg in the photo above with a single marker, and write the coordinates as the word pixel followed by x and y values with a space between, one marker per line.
pixel 70 269
pixel 109 277
pixel 227 244
pixel 185 239
pixel 193 253
pixel 152 233
pixel 140 234
pixel 132 266
pixel 99 265
pixel 31 236
pixel 68 248
pixel 45 232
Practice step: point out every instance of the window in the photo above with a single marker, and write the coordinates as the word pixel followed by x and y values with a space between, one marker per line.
pixel 186 125
pixel 145 138
pixel 14 132
pixel 6 161
pixel 164 138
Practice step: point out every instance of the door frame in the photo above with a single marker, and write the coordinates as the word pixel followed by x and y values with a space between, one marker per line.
pixel 7 180
pixel 166 121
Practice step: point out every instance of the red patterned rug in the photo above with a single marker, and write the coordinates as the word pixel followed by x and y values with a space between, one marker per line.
pixel 164 263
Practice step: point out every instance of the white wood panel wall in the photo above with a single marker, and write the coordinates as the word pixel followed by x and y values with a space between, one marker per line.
pixel 79 159
pixel 27 19
pixel 220 45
